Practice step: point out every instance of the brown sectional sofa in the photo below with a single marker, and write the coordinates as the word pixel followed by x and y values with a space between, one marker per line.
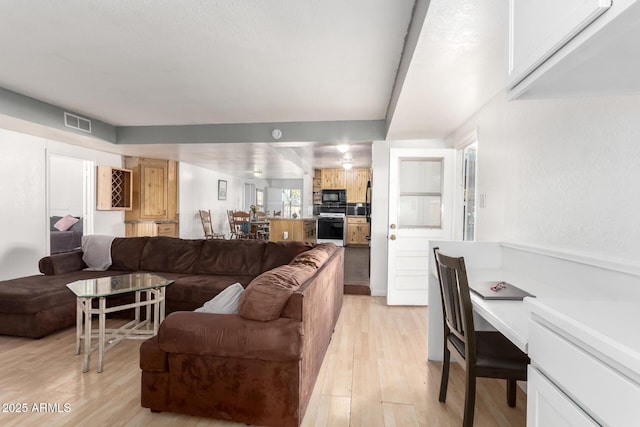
pixel 257 367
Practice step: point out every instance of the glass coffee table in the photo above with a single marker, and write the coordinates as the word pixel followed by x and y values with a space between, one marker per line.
pixel 152 285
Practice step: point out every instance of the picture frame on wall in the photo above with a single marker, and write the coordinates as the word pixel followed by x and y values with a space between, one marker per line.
pixel 222 189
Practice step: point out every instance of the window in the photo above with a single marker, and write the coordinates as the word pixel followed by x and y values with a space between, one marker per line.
pixel 291 203
pixel 420 202
pixel 260 199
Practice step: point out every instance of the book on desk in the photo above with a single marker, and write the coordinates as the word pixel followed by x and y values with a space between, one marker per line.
pixel 496 290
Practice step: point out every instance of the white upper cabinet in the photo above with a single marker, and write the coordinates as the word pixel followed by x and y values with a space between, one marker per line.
pixel 573 47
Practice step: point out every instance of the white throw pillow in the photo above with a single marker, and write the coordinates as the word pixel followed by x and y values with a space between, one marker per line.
pixel 226 302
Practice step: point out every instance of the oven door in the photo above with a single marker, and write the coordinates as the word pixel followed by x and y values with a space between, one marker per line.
pixel 331 230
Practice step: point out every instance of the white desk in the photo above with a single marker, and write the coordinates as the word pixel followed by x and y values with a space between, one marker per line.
pixel 511 318
pixel 581 329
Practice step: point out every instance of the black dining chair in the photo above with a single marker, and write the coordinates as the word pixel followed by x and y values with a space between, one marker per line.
pixel 486 354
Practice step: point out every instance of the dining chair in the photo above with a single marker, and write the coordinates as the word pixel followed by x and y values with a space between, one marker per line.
pixel 241 222
pixel 207 226
pixel 261 227
pixel 232 227
pixel 487 354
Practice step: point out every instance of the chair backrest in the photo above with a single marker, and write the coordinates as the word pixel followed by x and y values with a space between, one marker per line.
pixel 232 227
pixel 241 222
pixel 456 301
pixel 205 218
pixel 261 215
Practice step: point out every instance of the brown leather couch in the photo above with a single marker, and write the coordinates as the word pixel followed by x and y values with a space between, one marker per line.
pixel 236 367
pixel 258 366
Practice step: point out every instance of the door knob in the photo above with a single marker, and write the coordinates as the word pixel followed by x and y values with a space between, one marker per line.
pixel 393 226
pixel 392 237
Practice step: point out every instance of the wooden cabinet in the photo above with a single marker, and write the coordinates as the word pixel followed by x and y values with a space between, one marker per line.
pixel 302 230
pixel 357 231
pixel 357 185
pixel 155 197
pixel 113 189
pixel 139 229
pixel 334 179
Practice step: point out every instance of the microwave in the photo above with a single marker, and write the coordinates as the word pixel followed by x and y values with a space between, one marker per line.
pixel 334 196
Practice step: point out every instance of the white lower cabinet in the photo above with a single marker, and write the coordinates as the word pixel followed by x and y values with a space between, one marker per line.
pixel 572 384
pixel 547 406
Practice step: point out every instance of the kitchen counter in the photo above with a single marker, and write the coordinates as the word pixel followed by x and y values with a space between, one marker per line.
pixel 295 229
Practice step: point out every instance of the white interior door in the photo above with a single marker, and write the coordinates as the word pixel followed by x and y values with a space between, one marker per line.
pixel 420 209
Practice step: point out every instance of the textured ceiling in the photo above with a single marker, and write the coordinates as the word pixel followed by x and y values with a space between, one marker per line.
pixel 202 61
pixel 165 62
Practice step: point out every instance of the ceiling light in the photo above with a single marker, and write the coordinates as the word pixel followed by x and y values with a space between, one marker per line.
pixel 276 134
pixel 257 173
pixel 347 161
pixel 343 148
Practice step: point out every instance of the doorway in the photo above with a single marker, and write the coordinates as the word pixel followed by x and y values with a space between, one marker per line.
pixel 70 193
pixel 469 155
pixel 420 209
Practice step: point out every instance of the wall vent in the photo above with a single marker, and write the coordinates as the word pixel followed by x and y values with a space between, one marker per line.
pixel 77 122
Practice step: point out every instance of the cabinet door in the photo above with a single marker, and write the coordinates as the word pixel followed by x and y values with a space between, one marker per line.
pixel 357 185
pixel 113 189
pixel 357 231
pixel 548 406
pixel 153 190
pixel 540 28
pixel 333 179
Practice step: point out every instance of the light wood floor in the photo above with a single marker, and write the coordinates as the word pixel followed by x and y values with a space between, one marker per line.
pixel 375 373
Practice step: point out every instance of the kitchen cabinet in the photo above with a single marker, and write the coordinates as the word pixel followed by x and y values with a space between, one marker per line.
pixel 573 47
pixel 299 230
pixel 357 231
pixel 113 189
pixel 155 197
pixel 334 179
pixel 357 185
pixel 151 229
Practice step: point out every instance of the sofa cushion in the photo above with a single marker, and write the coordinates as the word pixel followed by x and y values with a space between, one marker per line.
pixel 315 257
pixel 61 263
pixel 226 302
pixel 33 294
pixel 267 294
pixel 170 254
pixel 229 257
pixel 126 253
pixel 281 253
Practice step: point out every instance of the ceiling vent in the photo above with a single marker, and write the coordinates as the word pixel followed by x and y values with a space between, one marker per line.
pixel 77 122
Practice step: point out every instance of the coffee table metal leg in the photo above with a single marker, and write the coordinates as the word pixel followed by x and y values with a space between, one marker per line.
pixel 78 323
pixel 156 311
pixel 87 333
pixel 101 332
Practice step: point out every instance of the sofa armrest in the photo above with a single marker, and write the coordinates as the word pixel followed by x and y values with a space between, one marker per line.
pixel 230 335
pixel 65 262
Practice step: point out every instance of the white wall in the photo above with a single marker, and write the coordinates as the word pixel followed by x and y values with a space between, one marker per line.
pixel 199 190
pixel 24 212
pixel 560 173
